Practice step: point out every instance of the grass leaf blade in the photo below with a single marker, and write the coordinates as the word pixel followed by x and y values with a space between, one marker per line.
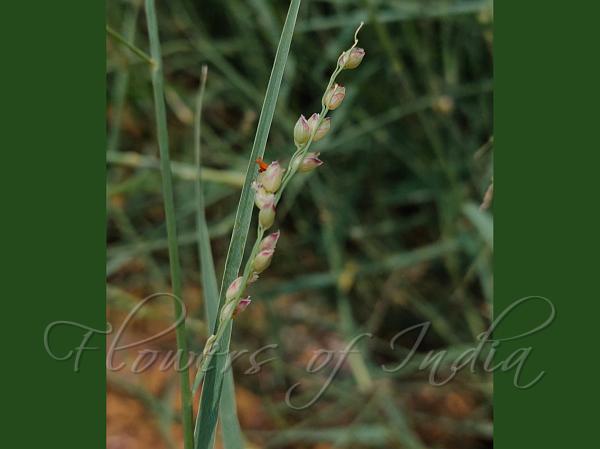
pixel 210 290
pixel 169 206
pixel 244 212
pixel 211 391
pixel 232 438
pixel 232 433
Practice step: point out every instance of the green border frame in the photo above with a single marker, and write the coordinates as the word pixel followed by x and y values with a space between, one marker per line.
pixel 53 239
pixel 546 163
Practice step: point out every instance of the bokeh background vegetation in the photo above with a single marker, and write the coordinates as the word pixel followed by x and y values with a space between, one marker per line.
pixel 388 234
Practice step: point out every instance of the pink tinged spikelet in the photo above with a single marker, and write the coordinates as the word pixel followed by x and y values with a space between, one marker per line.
pixel 262 260
pixel 266 216
pixel 270 241
pixel 262 198
pixel 323 128
pixel 244 302
pixel 234 289
pixel 310 162
pixel 227 311
pixel 266 203
pixel 271 178
pixel 301 131
pixel 351 59
pixel 334 96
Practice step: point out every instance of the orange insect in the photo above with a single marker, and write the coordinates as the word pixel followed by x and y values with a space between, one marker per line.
pixel 262 165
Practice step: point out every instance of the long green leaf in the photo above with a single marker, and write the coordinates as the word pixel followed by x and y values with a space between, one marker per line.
pixel 230 425
pixel 207 267
pixel 169 205
pixel 213 383
pixel 232 437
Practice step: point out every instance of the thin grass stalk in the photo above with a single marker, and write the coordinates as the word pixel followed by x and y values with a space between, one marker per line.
pixel 207 271
pixel 169 207
pixel 211 391
pixel 122 80
pixel 232 434
pixel 135 50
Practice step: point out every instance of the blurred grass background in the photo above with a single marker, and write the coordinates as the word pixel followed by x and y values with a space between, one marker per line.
pixel 388 234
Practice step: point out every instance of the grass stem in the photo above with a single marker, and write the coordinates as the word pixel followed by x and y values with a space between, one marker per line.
pixel 142 54
pixel 169 206
pixel 213 384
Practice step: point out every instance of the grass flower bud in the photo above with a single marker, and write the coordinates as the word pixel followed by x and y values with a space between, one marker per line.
pixel 262 260
pixel 310 162
pixel 233 290
pixel 271 177
pixel 266 216
pixel 334 96
pixel 323 128
pixel 244 302
pixel 262 198
pixel 301 131
pixel 270 241
pixel 352 59
pixel 227 311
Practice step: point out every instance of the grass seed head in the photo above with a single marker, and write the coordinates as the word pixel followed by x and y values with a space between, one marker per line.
pixel 334 96
pixel 351 59
pixel 234 288
pixel 310 162
pixel 262 260
pixel 266 216
pixel 270 179
pixel 323 127
pixel 301 131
